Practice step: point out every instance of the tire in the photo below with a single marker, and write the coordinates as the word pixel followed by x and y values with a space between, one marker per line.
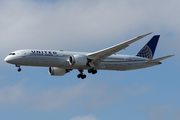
pixel 19 70
pixel 83 76
pixel 79 75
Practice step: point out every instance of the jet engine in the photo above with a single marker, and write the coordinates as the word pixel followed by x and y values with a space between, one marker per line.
pixel 78 60
pixel 55 71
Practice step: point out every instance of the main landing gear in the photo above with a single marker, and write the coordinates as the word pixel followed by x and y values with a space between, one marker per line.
pixel 83 76
pixel 19 69
pixel 92 71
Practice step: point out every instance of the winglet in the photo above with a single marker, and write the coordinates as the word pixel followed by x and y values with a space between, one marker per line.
pixel 139 37
pixel 147 34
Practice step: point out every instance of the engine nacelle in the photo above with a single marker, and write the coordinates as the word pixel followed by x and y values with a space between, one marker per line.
pixel 78 60
pixel 55 71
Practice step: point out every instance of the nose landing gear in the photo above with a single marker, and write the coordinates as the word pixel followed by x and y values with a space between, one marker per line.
pixel 19 69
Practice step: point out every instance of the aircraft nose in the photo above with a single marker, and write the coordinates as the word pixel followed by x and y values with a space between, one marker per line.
pixel 7 59
pixel 12 59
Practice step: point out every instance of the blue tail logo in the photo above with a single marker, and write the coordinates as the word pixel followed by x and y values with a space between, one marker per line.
pixel 149 49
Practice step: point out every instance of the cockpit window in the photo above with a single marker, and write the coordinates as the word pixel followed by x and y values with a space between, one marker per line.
pixel 12 54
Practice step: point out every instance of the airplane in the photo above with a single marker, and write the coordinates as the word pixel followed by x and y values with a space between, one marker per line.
pixel 61 62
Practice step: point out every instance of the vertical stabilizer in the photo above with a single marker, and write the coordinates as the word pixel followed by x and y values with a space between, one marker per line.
pixel 149 49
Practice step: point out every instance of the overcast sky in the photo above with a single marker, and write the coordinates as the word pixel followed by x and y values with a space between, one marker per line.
pixel 84 25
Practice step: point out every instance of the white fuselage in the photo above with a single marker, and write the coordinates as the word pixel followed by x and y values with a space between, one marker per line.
pixel 54 58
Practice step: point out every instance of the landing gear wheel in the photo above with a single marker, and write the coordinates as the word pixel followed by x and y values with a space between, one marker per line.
pixel 79 75
pixel 19 70
pixel 83 76
pixel 90 71
pixel 94 71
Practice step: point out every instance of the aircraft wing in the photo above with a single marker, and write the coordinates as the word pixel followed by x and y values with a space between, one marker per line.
pixel 97 57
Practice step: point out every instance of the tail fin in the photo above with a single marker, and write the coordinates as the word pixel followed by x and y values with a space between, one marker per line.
pixel 149 49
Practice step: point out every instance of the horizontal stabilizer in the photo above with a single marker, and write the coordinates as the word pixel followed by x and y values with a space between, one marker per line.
pixel 159 59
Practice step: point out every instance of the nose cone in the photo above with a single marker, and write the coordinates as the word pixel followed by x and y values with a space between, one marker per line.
pixel 8 59
pixel 13 59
